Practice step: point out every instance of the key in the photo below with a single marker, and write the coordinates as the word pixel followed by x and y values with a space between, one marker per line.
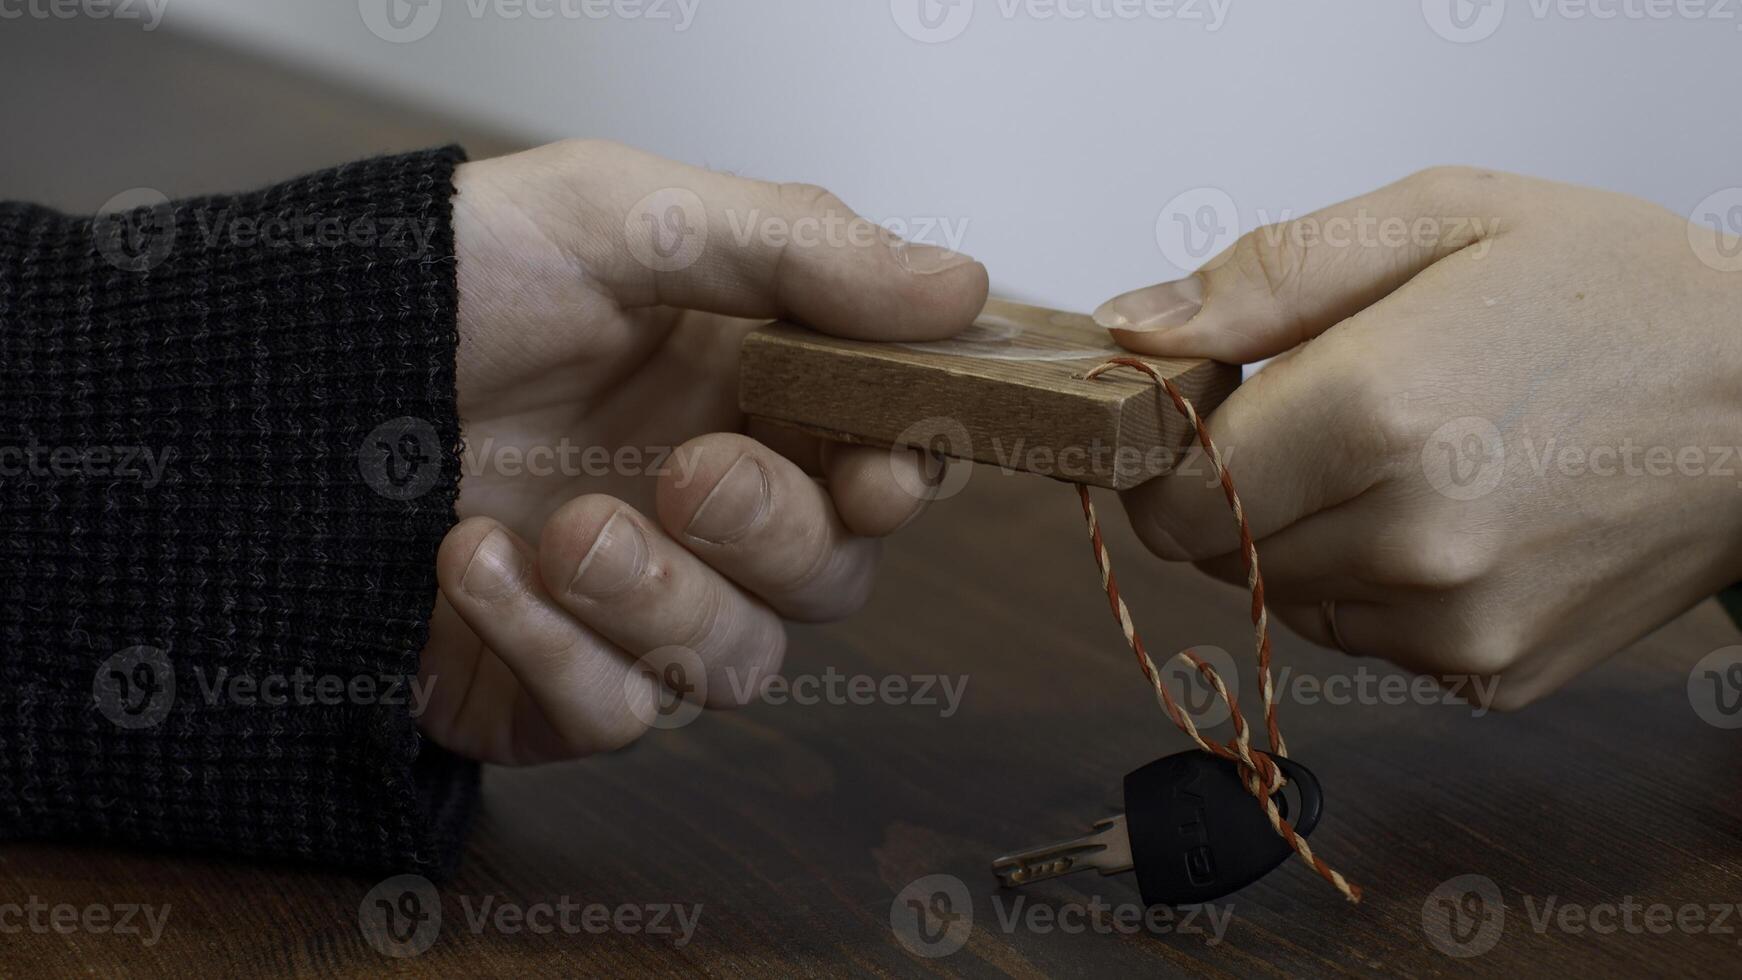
pixel 1190 831
pixel 1108 851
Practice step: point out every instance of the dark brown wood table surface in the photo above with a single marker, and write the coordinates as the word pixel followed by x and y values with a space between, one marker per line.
pixel 789 831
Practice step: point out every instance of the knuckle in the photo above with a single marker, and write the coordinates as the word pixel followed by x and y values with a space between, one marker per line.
pixel 1444 184
pixel 1437 561
pixel 1489 656
pixel 1487 649
pixel 1272 262
pixel 833 583
pixel 713 625
pixel 584 150
pixel 1514 696
pixel 804 198
pixel 756 659
pixel 1151 520
pixel 1385 426
pixel 619 732
pixel 616 721
pixel 1156 537
pixel 1444 174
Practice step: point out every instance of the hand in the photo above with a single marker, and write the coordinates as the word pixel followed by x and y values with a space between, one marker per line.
pixel 594 317
pixel 1499 446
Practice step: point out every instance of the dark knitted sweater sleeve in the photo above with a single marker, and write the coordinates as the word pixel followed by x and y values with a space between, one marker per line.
pixel 228 454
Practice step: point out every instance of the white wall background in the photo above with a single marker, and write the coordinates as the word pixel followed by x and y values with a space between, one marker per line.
pixel 1056 142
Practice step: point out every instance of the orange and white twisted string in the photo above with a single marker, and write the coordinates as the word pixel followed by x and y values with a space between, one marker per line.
pixel 1261 775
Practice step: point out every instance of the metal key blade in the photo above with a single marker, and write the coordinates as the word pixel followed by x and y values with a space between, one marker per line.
pixel 1107 850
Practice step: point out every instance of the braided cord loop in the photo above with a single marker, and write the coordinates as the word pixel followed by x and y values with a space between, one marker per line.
pixel 1261 776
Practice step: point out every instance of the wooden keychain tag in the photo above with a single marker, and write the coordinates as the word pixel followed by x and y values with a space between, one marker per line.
pixel 1010 391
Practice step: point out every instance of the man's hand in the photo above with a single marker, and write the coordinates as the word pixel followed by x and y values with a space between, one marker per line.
pixel 603 295
pixel 1504 444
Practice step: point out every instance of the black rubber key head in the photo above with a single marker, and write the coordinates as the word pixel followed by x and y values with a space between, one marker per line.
pixel 1197 834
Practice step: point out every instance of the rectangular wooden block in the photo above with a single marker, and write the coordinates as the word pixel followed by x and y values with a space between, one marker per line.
pixel 1009 392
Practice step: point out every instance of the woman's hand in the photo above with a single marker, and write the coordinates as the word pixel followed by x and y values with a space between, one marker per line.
pixel 1505 445
pixel 615 503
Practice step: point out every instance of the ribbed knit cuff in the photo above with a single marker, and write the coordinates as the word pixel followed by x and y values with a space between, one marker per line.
pixel 217 541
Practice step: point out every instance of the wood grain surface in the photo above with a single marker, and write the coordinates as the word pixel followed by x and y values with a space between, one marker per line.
pixel 794 828
pixel 1009 392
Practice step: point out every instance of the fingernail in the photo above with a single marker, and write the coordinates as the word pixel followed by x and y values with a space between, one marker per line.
pixel 615 562
pixel 734 505
pixel 927 260
pixel 1170 304
pixel 497 568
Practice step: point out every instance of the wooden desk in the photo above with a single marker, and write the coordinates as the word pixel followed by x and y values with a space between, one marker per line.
pixel 794 828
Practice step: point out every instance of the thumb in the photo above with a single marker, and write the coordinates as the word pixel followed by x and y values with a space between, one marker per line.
pixel 1282 285
pixel 654 232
